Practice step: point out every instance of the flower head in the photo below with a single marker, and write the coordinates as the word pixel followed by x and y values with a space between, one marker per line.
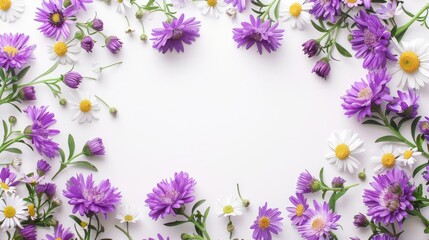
pixel 72 79
pixel 86 108
pixel 326 9
pixel 114 44
pixel 60 233
pixel 13 210
pixel 97 24
pixel 384 236
pixel 10 10
pixel 311 48
pixel 27 93
pixel 43 167
pixel 212 7
pixel 14 52
pixel 266 223
pixel 424 128
pixel 47 188
pixel 229 206
pixel 94 147
pixel 406 104
pixel 352 3
pixel 28 232
pixel 296 13
pixel 338 182
pixel 128 213
pixel 343 146
pixel 300 205
pixel 386 159
pixel 322 68
pixel 307 183
pixel 87 44
pixel 239 4
pixel 7 180
pixel 360 221
pixel 64 52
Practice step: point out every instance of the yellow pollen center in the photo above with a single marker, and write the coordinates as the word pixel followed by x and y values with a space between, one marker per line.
pixel 364 93
pixel 408 154
pixel 228 209
pixel 264 222
pixel 212 3
pixel 318 224
pixel 342 151
pixel 4 186
pixel 351 1
pixel 409 62
pixel 295 9
pixel 31 210
pixel 388 160
pixel 85 105
pixel 12 51
pixel 9 212
pixel 60 48
pixel 128 218
pixel 5 5
pixel 58 238
pixel 56 17
pixel 299 211
pixel 120 1
pixel 83 224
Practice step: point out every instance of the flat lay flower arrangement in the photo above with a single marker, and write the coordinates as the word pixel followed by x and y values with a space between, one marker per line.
pixel 387 97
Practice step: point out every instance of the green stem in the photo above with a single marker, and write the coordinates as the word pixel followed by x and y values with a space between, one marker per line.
pixel 10 142
pixel 338 189
pixel 104 102
pixel 50 70
pixel 64 165
pixel 197 225
pixel 404 28
pixel 124 232
pixel 267 11
pixel 418 214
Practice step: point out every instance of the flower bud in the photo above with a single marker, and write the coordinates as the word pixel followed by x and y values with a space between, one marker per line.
pixel 63 101
pixel 51 222
pixel 230 227
pixel 139 14
pixel 113 111
pixel 114 44
pixel 338 182
pixel 57 202
pixel 12 119
pixel 97 24
pixel 79 35
pixel 360 221
pixel 67 3
pixel 185 236
pixel 362 175
pixel 87 44
pixel 27 93
pixel 231 12
pixel 315 185
pixel 350 37
pixel 72 79
pixel 143 37
pixel 322 68
pixel 246 203
pixel 311 48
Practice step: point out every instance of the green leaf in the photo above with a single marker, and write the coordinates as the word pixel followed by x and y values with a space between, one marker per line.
pixel 13 150
pixel 388 138
pixel 85 164
pixel 427 230
pixel 419 168
pixel 71 144
pixel 332 201
pixel 22 73
pixel 393 124
pixel 175 223
pixel 342 50
pixel 5 130
pixel 63 156
pixel 402 121
pixel 2 74
pixel 197 205
pixel 206 214
pixel 321 175
pixel 373 122
pixel 76 219
pixel 414 126
pixel 317 27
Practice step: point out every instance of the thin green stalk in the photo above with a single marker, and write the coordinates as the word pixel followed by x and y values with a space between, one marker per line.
pixel 267 11
pixel 404 28
pixel 64 165
pixel 197 225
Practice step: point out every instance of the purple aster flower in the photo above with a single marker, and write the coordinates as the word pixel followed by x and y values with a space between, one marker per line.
pixel 360 221
pixel 266 223
pixel 87 198
pixel 159 237
pixel 326 9
pixel 366 93
pixel 27 93
pixel 43 167
pixel 311 48
pixel 80 3
pixel 262 33
pixel 367 3
pixel 405 105
pixel 384 236
pixel 87 44
pixel 60 233
pixel 389 10
pixel 97 24
pixel 297 211
pixel 322 68
pixel 321 221
pixel 32 179
pixel 426 175
pixel 170 195
pixel 390 198
pixel 338 182
pixel 72 79
pixel 424 128
pixel 240 4
pixel 113 44
pixel 7 179
pixel 47 188
pixel 14 52
pixel 94 147
pixel 307 183
pixel 55 20
pixel 371 41
pixel 174 34
pixel 28 232
pixel 39 131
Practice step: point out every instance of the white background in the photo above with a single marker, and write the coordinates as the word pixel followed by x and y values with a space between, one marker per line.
pixel 222 114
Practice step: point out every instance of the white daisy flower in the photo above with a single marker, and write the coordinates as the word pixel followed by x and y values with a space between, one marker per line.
pixel 11 9
pixel 296 13
pixel 13 210
pixel 63 52
pixel 229 206
pixel 121 4
pixel 128 213
pixel 32 211
pixel 413 63
pixel 86 108
pixel 407 156
pixel 6 186
pixel 212 7
pixel 343 146
pixel 352 3
pixel 386 159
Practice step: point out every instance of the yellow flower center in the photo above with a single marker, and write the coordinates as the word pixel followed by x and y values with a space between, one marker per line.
pixel 264 222
pixel 408 154
pixel 295 9
pixel 388 160
pixel 128 218
pixel 60 48
pixel 56 18
pixel 365 93
pixel 4 186
pixel 299 211
pixel 83 224
pixel 9 212
pixel 409 62
pixel 228 209
pixel 5 5
pixel 12 51
pixel 31 210
pixel 342 151
pixel 58 238
pixel 120 1
pixel 85 105
pixel 425 125
pixel 318 224
pixel 212 3
pixel 351 1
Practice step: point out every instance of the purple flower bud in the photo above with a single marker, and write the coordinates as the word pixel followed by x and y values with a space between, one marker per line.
pixel 72 79
pixel 424 128
pixel 113 44
pixel 426 174
pixel 322 68
pixel 97 24
pixel 27 93
pixel 47 188
pixel 87 44
pixel 28 232
pixel 406 104
pixel 311 48
pixel 94 147
pixel 43 167
pixel 338 182
pixel 360 221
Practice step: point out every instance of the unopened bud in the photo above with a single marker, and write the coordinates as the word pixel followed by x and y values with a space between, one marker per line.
pixel 12 119
pixel 139 14
pixel 79 35
pixel 362 175
pixel 350 37
pixel 113 111
pixel 230 227
pixel 231 12
pixel 63 101
pixel 185 236
pixel 143 37
pixel 57 202
pixel 245 202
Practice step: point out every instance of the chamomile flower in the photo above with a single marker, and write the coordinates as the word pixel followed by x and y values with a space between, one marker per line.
pixel 229 206
pixel 296 13
pixel 212 7
pixel 7 186
pixel 413 63
pixel 11 9
pixel 32 211
pixel 13 210
pixel 407 156
pixel 86 108
pixel 127 213
pixel 64 52
pixel 352 3
pixel 121 5
pixel 343 146
pixel 386 159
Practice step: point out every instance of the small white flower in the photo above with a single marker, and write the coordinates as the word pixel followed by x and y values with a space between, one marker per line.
pixel 212 7
pixel 229 206
pixel 6 186
pixel 63 52
pixel 85 107
pixel 128 213
pixel 13 210
pixel 407 156
pixel 386 159
pixel 343 146
pixel 296 13
pixel 96 69
pixel 352 3
pixel 16 162
pixel 10 10
pixel 121 4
